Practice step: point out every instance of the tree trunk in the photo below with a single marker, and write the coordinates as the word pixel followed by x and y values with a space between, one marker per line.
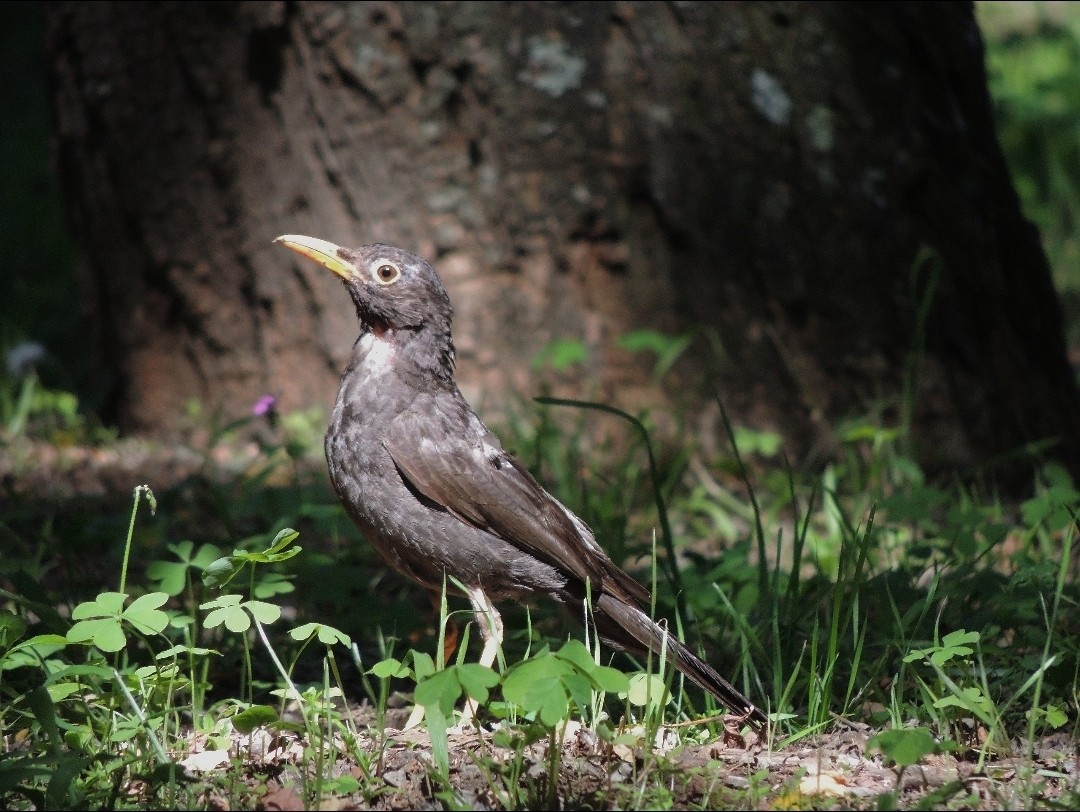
pixel 818 186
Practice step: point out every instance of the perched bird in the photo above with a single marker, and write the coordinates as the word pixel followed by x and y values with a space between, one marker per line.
pixel 432 489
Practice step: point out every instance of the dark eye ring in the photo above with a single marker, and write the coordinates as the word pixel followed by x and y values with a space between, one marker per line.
pixel 386 273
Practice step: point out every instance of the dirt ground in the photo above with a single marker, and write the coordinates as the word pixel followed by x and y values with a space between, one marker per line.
pixel 832 771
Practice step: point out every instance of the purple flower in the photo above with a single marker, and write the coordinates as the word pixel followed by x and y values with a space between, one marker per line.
pixel 265 405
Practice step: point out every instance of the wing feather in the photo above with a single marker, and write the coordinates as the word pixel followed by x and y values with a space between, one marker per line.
pixel 471 476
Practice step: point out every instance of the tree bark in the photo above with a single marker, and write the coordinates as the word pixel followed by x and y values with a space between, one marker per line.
pixel 817 186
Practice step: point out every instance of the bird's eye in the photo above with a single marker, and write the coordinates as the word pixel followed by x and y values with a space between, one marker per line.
pixel 385 272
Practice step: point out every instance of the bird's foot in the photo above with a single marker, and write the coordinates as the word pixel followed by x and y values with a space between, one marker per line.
pixel 749 715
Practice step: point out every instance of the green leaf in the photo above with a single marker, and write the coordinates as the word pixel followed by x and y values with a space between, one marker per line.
pixel 206 555
pixel 99 620
pixel 282 540
pixel 33 652
pixel 954 644
pixel 440 690
pixel 476 680
pixel 170 576
pixel 219 573
pixel 647 689
pixel 328 635
pixel 222 601
pixel 536 685
pixel 176 651
pixel 41 705
pixel 59 794
pixel 60 692
pixel 970 699
pixel 1052 715
pixel 271 584
pixel 1056 717
pixel 943 655
pixel 960 638
pixel 905 747
pixel 561 354
pixel 12 627
pixel 423 665
pixel 388 668
pixel 913 506
pixel 440 749
pixel 342 785
pixel 578 687
pixel 265 613
pixel 182 550
pixel 234 618
pixel 574 652
pixel 666 348
pixel 144 614
pixel 98 672
pixel 868 431
pixel 105 633
pixel 750 441
pixel 609 679
pixel 104 605
pixel 254 717
pixel 1051 507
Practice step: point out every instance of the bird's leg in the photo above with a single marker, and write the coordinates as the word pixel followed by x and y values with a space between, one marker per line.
pixel 490 623
pixel 491 629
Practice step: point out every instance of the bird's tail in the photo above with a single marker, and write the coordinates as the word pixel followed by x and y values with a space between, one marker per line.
pixel 626 627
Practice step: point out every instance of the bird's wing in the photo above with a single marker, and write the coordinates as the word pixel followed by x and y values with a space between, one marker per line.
pixel 467 472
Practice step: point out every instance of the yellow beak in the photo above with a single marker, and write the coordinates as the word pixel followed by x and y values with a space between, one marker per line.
pixel 323 252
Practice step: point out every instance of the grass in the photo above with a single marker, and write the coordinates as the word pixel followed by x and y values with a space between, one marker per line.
pixel 941 617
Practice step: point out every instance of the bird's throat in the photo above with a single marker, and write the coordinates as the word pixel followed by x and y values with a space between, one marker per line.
pixel 374 354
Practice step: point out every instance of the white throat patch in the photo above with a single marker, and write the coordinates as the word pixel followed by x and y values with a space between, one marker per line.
pixel 375 354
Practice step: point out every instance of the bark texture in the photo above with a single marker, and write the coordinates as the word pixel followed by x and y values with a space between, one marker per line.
pixel 817 186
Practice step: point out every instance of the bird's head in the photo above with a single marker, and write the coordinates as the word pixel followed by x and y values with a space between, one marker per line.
pixel 391 288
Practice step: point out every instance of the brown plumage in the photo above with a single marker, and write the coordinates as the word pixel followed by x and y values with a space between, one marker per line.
pixel 433 490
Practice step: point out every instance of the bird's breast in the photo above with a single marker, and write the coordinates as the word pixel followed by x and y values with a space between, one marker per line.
pixel 368 398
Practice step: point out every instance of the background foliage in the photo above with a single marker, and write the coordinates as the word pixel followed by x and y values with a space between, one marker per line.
pixel 1033 67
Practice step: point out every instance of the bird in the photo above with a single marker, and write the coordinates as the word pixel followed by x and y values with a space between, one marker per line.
pixel 437 496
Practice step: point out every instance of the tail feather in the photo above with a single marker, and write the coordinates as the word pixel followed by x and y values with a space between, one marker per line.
pixel 626 627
